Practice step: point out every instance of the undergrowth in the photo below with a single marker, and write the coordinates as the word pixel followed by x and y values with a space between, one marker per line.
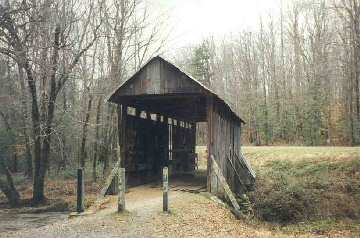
pixel 289 191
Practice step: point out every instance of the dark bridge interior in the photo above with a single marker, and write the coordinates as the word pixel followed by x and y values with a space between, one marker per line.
pixel 160 131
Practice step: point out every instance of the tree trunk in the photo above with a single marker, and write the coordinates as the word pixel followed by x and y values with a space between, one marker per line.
pixel 8 187
pixel 84 135
pixel 15 164
pixel 29 166
pixel 98 113
pixel 42 162
pixel 63 161
pixel 38 184
pixel 107 138
pixel 24 119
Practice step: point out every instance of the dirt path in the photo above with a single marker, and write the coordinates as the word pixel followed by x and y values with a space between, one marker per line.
pixel 12 221
pixel 192 215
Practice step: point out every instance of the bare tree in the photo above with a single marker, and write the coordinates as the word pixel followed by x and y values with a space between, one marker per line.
pixel 21 23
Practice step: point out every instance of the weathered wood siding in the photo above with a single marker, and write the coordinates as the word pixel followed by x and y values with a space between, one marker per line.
pixel 224 145
pixel 159 77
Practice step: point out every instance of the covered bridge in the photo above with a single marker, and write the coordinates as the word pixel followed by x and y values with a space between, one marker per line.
pixel 160 106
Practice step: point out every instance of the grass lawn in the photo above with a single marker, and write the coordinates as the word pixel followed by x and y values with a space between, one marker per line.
pixel 261 155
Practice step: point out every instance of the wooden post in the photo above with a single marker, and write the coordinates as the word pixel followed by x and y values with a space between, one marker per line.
pixel 165 189
pixel 80 190
pixel 121 198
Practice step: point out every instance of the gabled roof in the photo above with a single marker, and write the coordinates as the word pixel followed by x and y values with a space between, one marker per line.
pixel 207 90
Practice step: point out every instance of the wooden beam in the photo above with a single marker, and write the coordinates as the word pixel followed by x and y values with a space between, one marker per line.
pixel 226 187
pixel 113 173
pixel 179 109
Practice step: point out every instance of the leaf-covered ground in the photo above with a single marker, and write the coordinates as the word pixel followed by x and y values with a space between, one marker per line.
pixel 285 175
pixel 191 215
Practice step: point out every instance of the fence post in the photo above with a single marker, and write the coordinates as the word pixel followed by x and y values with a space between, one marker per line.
pixel 165 189
pixel 121 183
pixel 80 190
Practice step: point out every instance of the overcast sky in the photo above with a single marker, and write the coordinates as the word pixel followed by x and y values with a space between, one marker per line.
pixel 192 20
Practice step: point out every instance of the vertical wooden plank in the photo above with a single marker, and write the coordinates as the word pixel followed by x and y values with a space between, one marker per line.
pixel 137 112
pixel 170 142
pixel 153 78
pixel 165 189
pixel 209 109
pixel 80 190
pixel 217 142
pixel 120 130
pixel 123 145
pixel 158 118
pixel 162 78
pixel 121 188
pixel 193 145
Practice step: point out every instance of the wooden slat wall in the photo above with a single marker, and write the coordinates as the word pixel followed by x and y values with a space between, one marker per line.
pixel 224 144
pixel 160 78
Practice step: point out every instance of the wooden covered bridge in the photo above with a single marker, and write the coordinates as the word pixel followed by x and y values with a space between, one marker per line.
pixel 160 106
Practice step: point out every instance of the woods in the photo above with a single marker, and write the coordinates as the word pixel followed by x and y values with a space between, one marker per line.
pixel 294 79
pixel 53 70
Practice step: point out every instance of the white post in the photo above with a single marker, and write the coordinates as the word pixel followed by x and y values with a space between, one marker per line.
pixel 121 183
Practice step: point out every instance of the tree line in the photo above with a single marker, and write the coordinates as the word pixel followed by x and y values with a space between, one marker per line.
pixel 294 79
